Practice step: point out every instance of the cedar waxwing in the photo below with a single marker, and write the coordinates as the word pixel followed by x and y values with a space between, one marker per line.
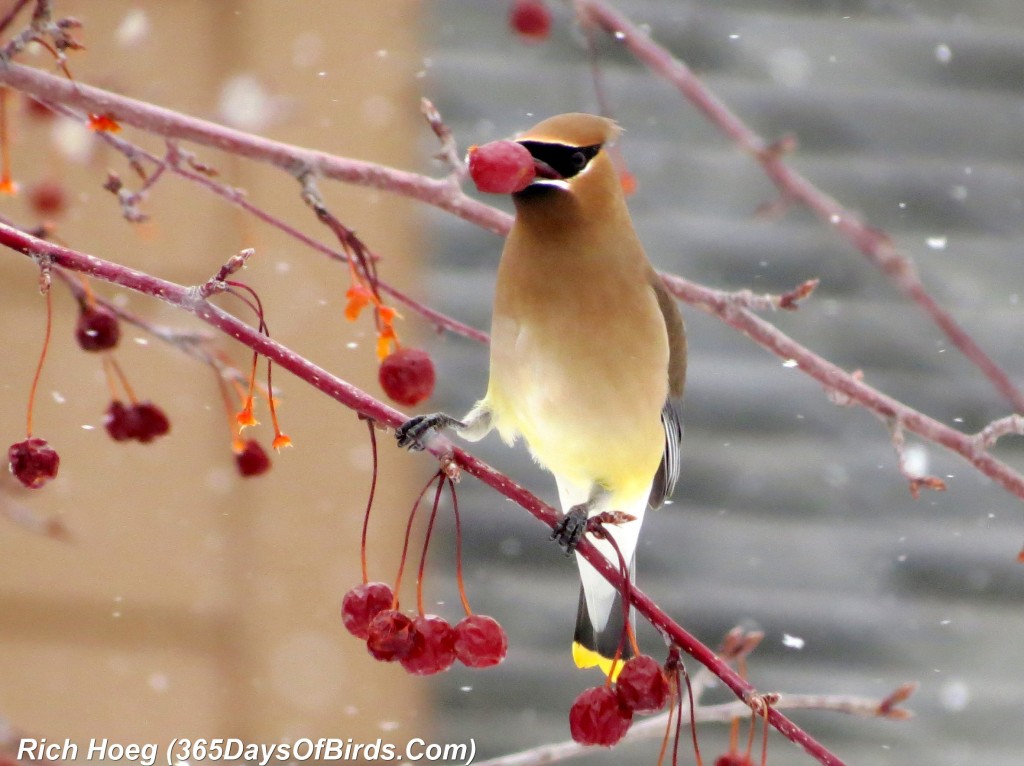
pixel 588 359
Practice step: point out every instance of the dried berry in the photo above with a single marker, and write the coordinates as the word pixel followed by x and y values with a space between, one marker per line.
pixel 390 635
pixel 252 460
pixel 596 718
pixel 433 647
pixel 642 686
pixel 33 462
pixel 98 329
pixel 143 421
pixel 530 19
pixel 362 604
pixel 47 198
pixel 501 167
pixel 150 421
pixel 407 376
pixel 480 642
pixel 118 422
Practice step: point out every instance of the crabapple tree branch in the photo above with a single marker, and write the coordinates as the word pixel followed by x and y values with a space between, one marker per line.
pixel 876 245
pixel 442 193
pixel 190 299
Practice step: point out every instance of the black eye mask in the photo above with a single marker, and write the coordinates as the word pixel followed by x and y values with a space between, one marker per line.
pixel 563 161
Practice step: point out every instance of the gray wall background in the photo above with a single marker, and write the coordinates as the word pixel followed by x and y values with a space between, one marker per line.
pixel 791 514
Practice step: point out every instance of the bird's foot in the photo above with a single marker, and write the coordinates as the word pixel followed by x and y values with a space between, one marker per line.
pixel 413 434
pixel 570 530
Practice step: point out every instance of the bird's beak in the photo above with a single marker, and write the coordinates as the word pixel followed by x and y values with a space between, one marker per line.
pixel 544 170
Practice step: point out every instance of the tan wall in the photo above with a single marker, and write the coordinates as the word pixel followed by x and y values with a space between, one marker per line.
pixel 191 602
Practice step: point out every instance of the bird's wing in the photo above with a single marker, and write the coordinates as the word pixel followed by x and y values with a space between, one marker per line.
pixel 671 417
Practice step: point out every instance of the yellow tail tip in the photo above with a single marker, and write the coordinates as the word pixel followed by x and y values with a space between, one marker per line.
pixel 588 658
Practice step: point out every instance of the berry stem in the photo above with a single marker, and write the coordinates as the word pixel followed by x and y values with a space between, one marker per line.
pixel 693 714
pixel 458 549
pixel 123 378
pixel 225 395
pixel 408 533
pixel 764 738
pixel 369 501
pixel 7 185
pixel 674 692
pixel 426 544
pixel 39 365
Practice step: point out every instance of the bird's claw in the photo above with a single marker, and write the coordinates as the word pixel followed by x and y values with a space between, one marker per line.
pixel 412 433
pixel 570 530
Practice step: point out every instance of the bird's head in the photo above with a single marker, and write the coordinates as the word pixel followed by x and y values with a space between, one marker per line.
pixel 570 158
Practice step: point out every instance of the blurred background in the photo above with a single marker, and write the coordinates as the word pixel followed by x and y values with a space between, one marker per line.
pixel 190 602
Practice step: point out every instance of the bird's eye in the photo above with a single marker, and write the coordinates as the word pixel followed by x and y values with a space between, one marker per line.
pixel 579 160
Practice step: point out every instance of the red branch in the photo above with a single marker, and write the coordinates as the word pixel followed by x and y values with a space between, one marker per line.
pixel 189 299
pixel 793 186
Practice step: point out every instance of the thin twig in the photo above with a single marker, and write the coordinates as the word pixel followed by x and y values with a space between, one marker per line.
pixel 873 243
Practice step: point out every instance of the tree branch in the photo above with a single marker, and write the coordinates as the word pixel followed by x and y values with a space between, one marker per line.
pixel 793 186
pixel 189 299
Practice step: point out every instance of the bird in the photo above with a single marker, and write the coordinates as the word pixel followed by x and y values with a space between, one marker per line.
pixel 587 362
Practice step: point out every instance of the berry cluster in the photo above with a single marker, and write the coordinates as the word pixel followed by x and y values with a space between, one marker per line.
pixel 407 376
pixel 602 715
pixel 425 644
pixel 141 421
pixel 530 19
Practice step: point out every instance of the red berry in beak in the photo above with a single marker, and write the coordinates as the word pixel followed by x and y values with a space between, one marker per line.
pixel 501 167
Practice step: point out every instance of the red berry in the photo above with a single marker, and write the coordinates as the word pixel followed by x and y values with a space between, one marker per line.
pixel 253 460
pixel 33 462
pixel 362 604
pixel 143 421
pixel 390 635
pixel 531 19
pixel 97 329
pixel 480 642
pixel 118 422
pixel 433 647
pixel 47 198
pixel 150 421
pixel 501 167
pixel 407 376
pixel 733 759
pixel 596 718
pixel 642 686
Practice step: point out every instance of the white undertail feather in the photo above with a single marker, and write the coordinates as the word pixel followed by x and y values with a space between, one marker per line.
pixel 599 593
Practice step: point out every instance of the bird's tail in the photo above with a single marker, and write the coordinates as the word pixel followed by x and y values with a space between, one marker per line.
pixel 596 642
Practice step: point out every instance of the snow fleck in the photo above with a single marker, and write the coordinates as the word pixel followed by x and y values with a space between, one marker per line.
pixel 789 67
pixel 283 267
pixel 1014 299
pixel 352 345
pixel 133 29
pixel 58 397
pixel 88 427
pixel 954 695
pixel 378 111
pixel 72 140
pixel 734 36
pixel 141 341
pixel 943 54
pixel 791 363
pixel 465 688
pixel 620 35
pixel 307 49
pixel 159 682
pixel 958 192
pixel 792 642
pixel 245 103
pixel 350 710
pixel 388 725
pixel 915 460
pixel 382 53
pixel 937 243
pixel 835 218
